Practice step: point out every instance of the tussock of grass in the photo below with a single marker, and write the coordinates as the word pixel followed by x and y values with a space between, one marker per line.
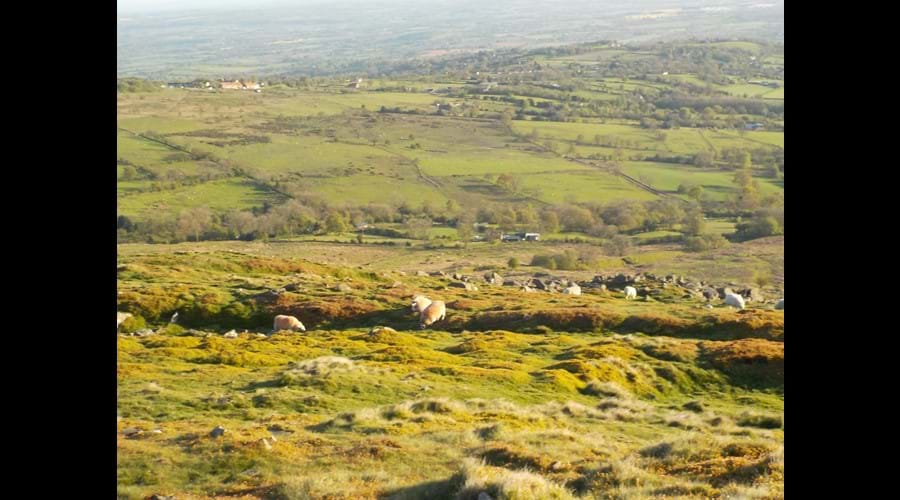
pixel 504 484
pixel 325 366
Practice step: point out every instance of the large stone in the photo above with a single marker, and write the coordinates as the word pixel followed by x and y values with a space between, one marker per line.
pixel 343 287
pixel 231 334
pixel 780 304
pixel 572 290
pixel 493 278
pixel 468 286
pixel 218 431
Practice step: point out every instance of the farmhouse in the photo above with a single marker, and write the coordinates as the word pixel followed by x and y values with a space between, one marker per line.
pixel 235 85
pixel 521 237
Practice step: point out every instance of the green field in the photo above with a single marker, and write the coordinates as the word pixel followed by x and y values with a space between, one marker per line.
pixel 222 195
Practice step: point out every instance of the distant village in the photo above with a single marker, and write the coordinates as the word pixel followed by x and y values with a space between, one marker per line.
pixel 222 84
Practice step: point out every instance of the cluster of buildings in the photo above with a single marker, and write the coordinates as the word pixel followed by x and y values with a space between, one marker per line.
pixel 245 85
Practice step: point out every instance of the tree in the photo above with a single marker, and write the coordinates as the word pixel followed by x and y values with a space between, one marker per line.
pixel 619 245
pixel 508 219
pixel 240 223
pixel 695 192
pixel 758 227
pixel 703 159
pixel 194 221
pixel 574 218
pixel 335 222
pixel 129 173
pixel 527 216
pixel 509 182
pixel 464 229
pixel 549 221
pixel 748 197
pixel 123 222
pixel 694 223
pixel 418 227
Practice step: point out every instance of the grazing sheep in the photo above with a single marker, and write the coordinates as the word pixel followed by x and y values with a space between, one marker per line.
pixel 733 299
pixel 120 317
pixel 435 311
pixel 572 290
pixel 283 322
pixel 780 304
pixel 630 292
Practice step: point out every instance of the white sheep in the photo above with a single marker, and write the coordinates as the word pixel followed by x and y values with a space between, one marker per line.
pixel 630 292
pixel 573 290
pixel 120 317
pixel 429 311
pixel 733 299
pixel 420 303
pixel 283 322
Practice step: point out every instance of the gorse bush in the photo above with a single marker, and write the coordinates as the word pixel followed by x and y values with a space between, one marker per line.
pixel 566 261
pixel 705 242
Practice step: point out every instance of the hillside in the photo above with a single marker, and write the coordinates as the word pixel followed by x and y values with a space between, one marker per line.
pixel 593 396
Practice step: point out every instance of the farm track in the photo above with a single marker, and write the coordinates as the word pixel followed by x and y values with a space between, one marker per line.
pixel 706 140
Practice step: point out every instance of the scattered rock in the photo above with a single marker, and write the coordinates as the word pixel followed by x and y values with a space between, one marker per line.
pixel 231 334
pixel 343 287
pixel 421 273
pixel 484 496
pixel 144 332
pixel 132 432
pixel 156 431
pixel 710 293
pixel 558 466
pixel 261 335
pixel 780 304
pixel 162 497
pixel 293 287
pixel 265 444
pixel 457 276
pixel 527 288
pixel 539 284
pixel 396 284
pixel 753 295
pixel 493 278
pixel 468 286
pixel 439 273
pixel 572 290
pixel 378 329
pixel 217 431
